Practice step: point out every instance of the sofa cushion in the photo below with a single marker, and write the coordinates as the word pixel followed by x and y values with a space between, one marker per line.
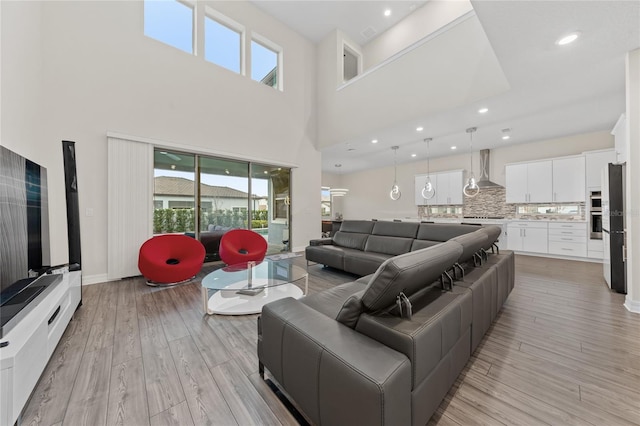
pixel 327 255
pixel 388 245
pixel 395 229
pixel 364 262
pixel 350 240
pixel 443 231
pixel 408 273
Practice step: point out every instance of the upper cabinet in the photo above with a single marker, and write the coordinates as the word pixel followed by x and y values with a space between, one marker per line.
pixel 559 180
pixel 569 180
pixel 529 182
pixel 448 186
pixel 595 163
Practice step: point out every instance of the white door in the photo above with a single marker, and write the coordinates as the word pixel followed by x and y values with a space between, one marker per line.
pixel 569 180
pixel 514 238
pixel 516 183
pixel 536 240
pixel 540 182
pixel 455 187
pixel 442 188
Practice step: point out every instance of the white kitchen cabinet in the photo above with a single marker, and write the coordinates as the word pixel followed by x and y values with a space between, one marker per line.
pixel 529 182
pixel 569 180
pixel 419 184
pixel 528 236
pixel 568 239
pixel 448 186
pixel 596 161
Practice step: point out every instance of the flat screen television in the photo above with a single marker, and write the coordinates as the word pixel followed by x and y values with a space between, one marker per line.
pixel 24 234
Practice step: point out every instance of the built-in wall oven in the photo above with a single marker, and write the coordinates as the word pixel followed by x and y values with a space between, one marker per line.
pixel 595 215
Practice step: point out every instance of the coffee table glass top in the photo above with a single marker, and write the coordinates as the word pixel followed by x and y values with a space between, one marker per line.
pixel 263 274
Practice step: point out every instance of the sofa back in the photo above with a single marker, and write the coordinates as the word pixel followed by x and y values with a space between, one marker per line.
pixel 353 234
pixel 443 231
pixel 408 273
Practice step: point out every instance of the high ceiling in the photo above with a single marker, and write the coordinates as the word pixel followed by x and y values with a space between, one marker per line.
pixel 554 91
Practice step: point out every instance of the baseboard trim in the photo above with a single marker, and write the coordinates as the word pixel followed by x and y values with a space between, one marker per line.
pixel 94 279
pixel 557 256
pixel 632 305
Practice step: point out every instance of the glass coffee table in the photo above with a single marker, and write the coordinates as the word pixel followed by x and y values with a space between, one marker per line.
pixel 245 288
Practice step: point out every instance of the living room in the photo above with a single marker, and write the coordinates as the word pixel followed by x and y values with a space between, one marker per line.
pixel 85 71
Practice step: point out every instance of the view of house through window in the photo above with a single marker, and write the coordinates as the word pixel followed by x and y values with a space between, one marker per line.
pixel 171 22
pixel 232 194
pixel 264 64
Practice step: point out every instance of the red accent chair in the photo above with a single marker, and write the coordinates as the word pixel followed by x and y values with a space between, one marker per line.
pixel 170 259
pixel 242 245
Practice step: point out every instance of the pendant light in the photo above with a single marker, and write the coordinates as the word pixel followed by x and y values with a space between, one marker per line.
pixel 395 193
pixel 429 191
pixel 471 189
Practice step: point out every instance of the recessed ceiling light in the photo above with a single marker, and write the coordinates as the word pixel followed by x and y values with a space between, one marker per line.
pixel 483 110
pixel 413 155
pixel 387 12
pixel 337 165
pixel 505 137
pixel 374 140
pixel 454 147
pixel 266 172
pixel 173 167
pixel 569 38
pixel 419 129
pixel 506 134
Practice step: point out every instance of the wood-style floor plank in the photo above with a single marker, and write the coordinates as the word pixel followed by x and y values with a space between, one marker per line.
pixel 178 415
pixel 90 394
pixel 127 401
pixel 563 351
pixel 206 402
pixel 162 383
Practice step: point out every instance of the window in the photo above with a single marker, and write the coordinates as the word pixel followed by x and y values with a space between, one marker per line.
pixel 325 201
pixel 351 63
pixel 266 60
pixel 223 41
pixel 171 22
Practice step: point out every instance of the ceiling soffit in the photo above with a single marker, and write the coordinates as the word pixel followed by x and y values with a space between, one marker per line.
pixel 454 68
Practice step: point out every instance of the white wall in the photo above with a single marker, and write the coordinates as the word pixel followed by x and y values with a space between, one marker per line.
pixel 434 15
pixel 369 190
pixel 100 73
pixel 632 66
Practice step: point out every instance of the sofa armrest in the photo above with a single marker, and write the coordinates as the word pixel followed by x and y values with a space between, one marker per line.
pixel 321 242
pixel 334 374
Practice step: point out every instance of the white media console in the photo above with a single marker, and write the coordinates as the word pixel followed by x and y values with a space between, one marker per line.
pixel 31 343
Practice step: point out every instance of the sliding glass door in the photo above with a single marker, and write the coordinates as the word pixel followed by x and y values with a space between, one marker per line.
pixel 230 194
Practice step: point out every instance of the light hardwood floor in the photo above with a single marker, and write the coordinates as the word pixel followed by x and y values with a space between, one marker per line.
pixel 562 351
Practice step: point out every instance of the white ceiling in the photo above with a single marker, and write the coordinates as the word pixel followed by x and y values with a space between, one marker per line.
pixel 554 90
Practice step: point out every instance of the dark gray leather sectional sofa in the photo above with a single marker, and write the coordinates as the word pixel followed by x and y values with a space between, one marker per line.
pixel 360 246
pixel 345 356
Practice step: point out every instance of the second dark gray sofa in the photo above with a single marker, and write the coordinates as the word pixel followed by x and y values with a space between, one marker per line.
pixel 360 246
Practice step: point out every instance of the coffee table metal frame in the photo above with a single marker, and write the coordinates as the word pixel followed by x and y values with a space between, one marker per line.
pixel 245 288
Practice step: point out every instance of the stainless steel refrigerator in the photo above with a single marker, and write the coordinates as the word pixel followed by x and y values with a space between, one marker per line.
pixel 613 227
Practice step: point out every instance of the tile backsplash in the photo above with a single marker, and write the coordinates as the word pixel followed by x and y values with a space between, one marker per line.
pixel 491 202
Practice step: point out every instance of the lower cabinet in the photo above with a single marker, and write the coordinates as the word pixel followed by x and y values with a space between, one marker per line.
pixel 528 236
pixel 568 239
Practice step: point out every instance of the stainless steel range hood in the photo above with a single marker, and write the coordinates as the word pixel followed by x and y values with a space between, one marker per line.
pixel 485 166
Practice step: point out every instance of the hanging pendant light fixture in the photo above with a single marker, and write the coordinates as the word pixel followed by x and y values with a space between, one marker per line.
pixel 395 193
pixel 471 189
pixel 429 191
